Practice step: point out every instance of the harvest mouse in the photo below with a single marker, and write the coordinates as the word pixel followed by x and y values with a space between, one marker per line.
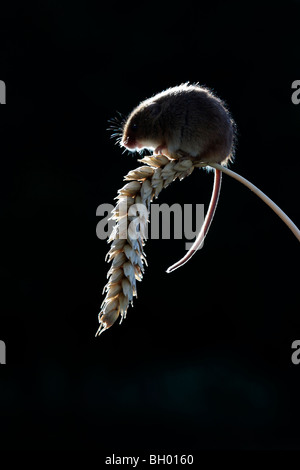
pixel 186 121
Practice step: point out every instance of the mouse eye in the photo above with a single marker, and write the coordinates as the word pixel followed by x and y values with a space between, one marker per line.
pixel 134 126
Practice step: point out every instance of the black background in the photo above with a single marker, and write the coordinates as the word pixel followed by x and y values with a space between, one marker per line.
pixel 203 360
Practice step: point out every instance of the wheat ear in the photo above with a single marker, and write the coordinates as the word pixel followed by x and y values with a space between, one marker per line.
pixel 126 252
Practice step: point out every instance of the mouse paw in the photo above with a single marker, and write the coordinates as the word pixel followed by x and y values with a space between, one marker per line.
pixel 161 150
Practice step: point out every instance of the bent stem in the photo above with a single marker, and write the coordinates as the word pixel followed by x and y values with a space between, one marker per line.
pixel 262 196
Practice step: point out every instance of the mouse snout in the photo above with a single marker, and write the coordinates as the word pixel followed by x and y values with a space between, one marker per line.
pixel 129 142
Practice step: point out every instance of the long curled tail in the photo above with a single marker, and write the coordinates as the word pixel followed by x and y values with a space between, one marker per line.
pixel 205 227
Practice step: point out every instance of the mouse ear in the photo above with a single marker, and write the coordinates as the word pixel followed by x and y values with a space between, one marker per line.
pixel 154 110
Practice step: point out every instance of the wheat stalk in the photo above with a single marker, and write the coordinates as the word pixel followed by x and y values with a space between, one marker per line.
pixel 126 252
pixel 282 215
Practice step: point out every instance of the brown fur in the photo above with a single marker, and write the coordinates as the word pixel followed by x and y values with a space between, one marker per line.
pixel 184 120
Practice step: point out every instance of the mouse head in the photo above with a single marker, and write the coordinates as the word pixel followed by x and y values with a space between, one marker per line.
pixel 142 128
